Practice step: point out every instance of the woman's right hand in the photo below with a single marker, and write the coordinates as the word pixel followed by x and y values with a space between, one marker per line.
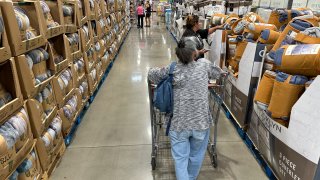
pixel 202 51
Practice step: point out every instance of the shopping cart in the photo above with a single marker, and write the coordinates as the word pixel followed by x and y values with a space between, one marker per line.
pixel 158 119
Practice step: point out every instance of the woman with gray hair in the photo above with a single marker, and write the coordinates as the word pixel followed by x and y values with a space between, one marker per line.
pixel 190 124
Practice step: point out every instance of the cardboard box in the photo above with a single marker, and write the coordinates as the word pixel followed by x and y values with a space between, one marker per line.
pixel 85 95
pixel 285 161
pixel 58 44
pixel 303 119
pixel 295 150
pixel 86 42
pixel 79 74
pixel 217 55
pixel 19 46
pixel 48 155
pixel 70 23
pixel 96 30
pixel 288 164
pixel 91 11
pixel 105 61
pixel 253 130
pixel 92 81
pixel 243 86
pixel 5 52
pixel 57 16
pixel 90 61
pixel 99 70
pixel 9 80
pixel 10 160
pixel 104 8
pixel 75 51
pixel 101 30
pixel 35 171
pixel 62 95
pixel 66 123
pixel 264 138
pixel 57 160
pixel 36 110
pixel 80 12
pixel 26 77
pixel 101 52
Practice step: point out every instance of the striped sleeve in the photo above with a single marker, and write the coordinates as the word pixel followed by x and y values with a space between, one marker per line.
pixel 156 74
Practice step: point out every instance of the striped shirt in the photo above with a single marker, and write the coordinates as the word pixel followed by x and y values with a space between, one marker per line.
pixel 190 91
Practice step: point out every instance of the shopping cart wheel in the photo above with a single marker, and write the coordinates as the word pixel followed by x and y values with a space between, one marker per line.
pixel 214 160
pixel 153 163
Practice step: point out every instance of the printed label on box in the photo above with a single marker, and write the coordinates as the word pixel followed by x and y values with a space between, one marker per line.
pixel 303 49
pixel 290 165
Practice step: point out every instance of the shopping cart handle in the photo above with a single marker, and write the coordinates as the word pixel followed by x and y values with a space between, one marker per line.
pixel 212 85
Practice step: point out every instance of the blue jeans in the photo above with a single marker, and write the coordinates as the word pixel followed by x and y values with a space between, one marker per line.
pixel 188 149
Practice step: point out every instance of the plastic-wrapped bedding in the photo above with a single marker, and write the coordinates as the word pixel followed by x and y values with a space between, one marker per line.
pixel 281 17
pixel 253 30
pixel 268 36
pixel 219 19
pixel 234 62
pixel 22 18
pixel 302 59
pixel 309 36
pixel 12 130
pixel 264 91
pixel 238 26
pixel 295 26
pixel 1 25
pixel 286 91
pixel 229 22
pixel 67 10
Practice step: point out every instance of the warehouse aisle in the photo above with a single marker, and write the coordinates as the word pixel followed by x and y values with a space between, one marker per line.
pixel 114 140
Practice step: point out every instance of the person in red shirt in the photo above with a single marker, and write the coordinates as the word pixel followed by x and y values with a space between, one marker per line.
pixel 140 12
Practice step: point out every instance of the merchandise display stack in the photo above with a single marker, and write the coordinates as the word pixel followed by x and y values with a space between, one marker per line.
pixel 53 56
pixel 175 19
pixel 132 11
pixel 272 87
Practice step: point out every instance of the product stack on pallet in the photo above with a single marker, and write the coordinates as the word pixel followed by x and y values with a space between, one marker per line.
pixel 53 55
pixel 272 86
pixel 204 9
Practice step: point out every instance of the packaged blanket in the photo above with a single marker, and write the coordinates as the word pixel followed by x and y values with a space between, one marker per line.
pixel 286 91
pixel 268 36
pixel 253 30
pixel 309 36
pixel 302 59
pixel 295 26
pixel 264 91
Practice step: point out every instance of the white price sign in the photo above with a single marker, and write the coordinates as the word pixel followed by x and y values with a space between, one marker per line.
pixel 279 3
pixel 265 3
pixel 299 3
pixel 314 5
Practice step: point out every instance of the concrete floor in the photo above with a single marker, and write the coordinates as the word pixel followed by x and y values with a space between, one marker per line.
pixel 114 140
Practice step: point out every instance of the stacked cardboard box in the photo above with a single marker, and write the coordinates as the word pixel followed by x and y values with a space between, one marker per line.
pixel 272 84
pixel 51 61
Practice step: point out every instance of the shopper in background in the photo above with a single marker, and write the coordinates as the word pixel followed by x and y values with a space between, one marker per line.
pixel 190 124
pixel 148 13
pixel 140 12
pixel 193 29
